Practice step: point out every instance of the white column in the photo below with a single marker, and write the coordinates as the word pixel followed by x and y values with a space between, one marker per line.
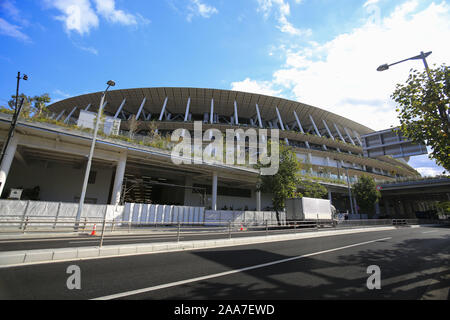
pixel 357 137
pixel 259 116
pixel 186 115
pixel 349 136
pixel 214 192
pixel 317 131
pixel 301 128
pixel 7 161
pixel 236 118
pixel 339 132
pixel 141 108
pixel 118 179
pixel 70 114
pixel 258 200
pixel 211 114
pixel 279 118
pixel 60 115
pixel 163 109
pixel 120 108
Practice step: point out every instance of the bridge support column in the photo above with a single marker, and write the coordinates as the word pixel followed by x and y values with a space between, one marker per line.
pixel 118 179
pixel 258 200
pixel 214 192
pixel 7 161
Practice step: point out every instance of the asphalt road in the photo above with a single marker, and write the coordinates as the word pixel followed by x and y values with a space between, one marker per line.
pixel 414 264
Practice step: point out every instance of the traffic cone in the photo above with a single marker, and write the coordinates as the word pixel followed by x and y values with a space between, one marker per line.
pixel 93 230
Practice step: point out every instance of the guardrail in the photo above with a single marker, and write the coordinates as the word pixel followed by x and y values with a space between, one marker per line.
pixel 178 229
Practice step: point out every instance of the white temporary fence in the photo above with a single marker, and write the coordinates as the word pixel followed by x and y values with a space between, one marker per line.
pixel 139 213
pixel 17 211
pixel 245 217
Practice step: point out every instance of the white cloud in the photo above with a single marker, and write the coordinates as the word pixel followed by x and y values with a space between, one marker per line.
pixel 429 171
pixel 77 15
pixel 340 75
pixel 106 8
pixel 80 16
pixel 370 3
pixel 198 8
pixel 252 86
pixel 12 30
pixel 284 11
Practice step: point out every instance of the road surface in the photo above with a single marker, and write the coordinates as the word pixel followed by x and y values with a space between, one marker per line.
pixel 414 264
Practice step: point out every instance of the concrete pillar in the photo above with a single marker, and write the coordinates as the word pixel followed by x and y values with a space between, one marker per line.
pixel 7 161
pixel 386 207
pixel 355 205
pixel 214 192
pixel 258 200
pixel 188 191
pixel 118 179
pixel 377 209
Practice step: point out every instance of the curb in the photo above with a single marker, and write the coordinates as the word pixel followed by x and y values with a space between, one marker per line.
pixel 30 257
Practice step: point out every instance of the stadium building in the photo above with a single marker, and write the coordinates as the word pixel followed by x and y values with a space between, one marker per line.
pixel 48 158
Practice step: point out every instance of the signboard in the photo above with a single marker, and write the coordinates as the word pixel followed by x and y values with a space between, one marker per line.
pixel 87 119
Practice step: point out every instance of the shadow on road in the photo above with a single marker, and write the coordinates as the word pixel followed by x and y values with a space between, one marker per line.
pixel 413 269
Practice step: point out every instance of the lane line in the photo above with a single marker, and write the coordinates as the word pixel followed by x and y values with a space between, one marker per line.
pixel 221 274
pixel 429 231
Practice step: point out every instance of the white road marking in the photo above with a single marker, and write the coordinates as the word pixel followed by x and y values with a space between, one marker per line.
pixel 429 231
pixel 221 274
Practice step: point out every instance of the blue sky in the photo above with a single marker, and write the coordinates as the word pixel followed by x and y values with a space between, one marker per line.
pixel 321 52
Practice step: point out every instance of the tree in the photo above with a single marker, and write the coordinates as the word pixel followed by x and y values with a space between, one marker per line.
pixel 366 194
pixel 27 104
pixel 133 126
pixel 312 189
pixel 40 104
pixel 423 107
pixel 283 185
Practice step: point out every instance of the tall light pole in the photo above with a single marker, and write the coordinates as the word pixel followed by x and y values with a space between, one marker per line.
pixel 15 116
pixel 422 56
pixel 348 186
pixel 110 83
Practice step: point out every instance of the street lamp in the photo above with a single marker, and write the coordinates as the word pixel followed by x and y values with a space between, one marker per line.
pixel 15 117
pixel 110 83
pixel 348 186
pixel 422 56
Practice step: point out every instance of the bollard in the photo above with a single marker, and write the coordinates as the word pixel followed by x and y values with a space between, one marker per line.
pixel 112 226
pixel 295 226
pixel 267 228
pixel 229 229
pixel 178 232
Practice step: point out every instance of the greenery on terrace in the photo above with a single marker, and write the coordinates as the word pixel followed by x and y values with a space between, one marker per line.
pixel 152 139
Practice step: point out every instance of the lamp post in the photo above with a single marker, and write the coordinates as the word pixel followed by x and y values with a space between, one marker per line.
pixel 349 189
pixel 15 117
pixel 110 83
pixel 422 56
